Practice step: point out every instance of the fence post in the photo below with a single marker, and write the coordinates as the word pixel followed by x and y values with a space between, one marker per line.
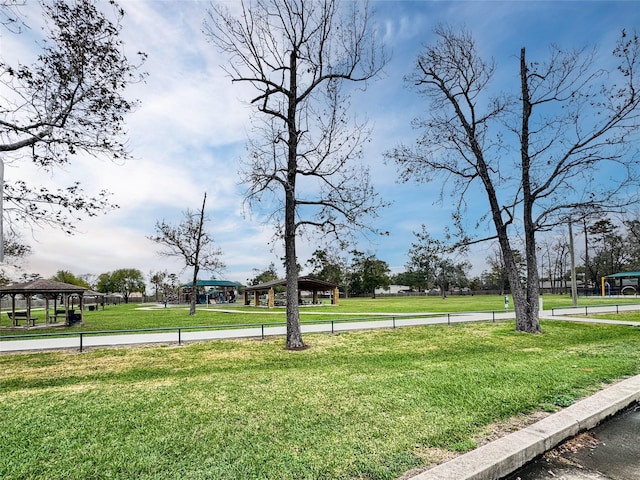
pixel 332 327
pixel 394 322
pixel 81 342
pixel 448 319
pixel 262 330
pixel 179 336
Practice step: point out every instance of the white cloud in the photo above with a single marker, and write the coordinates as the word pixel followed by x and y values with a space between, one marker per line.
pixel 189 131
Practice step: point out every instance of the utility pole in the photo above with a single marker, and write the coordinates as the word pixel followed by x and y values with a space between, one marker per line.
pixel 574 286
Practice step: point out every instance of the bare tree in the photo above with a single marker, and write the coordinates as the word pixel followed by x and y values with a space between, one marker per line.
pixel 190 242
pixel 69 101
pixel 554 257
pixel 304 154
pixel 10 17
pixel 572 122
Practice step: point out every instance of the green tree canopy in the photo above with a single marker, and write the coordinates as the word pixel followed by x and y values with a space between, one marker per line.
pixel 65 276
pixel 367 273
pixel 124 281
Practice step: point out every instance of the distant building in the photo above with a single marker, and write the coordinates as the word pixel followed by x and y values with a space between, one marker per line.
pixel 393 290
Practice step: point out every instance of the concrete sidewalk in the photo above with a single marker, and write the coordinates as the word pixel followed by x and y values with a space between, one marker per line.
pixel 504 456
pixel 89 339
pixel 92 339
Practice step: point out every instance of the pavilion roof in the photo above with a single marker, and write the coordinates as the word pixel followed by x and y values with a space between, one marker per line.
pixel 42 285
pixel 304 283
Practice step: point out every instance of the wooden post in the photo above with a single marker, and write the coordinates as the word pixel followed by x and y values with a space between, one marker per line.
pixel 271 302
pixel 13 310
pixel 29 311
pixel 336 297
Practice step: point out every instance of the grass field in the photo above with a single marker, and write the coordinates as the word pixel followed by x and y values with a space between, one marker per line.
pixel 359 405
pixel 134 316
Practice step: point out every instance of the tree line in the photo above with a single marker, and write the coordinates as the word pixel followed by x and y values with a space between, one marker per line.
pixel 609 247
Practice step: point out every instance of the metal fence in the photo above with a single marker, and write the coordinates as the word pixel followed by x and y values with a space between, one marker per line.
pixel 168 335
pixel 593 309
pixel 254 330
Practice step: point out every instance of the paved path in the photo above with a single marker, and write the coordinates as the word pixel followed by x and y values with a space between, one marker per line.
pixel 86 340
pixel 89 339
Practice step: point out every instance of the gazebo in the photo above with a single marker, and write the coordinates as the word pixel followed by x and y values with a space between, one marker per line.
pixel 50 290
pixel 309 284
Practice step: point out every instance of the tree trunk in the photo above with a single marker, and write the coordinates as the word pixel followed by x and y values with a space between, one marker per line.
pixel 196 263
pixel 527 318
pixel 294 333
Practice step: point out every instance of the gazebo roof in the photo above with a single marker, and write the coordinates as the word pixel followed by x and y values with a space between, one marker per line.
pixel 91 293
pixel 42 285
pixel 304 283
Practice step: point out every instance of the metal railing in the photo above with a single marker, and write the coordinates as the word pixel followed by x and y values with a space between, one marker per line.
pixel 610 308
pixel 263 330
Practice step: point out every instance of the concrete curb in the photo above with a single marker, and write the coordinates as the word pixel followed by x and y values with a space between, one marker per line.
pixel 505 455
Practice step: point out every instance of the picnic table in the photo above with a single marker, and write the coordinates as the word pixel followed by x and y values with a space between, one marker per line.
pixel 15 318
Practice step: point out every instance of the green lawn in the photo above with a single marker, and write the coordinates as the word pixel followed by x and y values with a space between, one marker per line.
pixel 134 316
pixel 359 405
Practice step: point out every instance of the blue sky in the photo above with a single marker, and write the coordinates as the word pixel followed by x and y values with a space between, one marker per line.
pixel 190 130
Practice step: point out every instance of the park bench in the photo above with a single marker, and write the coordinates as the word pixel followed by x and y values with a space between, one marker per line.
pixel 15 318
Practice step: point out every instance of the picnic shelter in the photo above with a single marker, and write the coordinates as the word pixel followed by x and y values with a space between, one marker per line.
pixel 56 294
pixel 308 284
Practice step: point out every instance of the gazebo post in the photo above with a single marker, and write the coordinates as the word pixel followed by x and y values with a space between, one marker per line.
pixel 315 296
pixel 271 302
pixel 13 310
pixel 28 321
pixel 81 308
pixel 65 299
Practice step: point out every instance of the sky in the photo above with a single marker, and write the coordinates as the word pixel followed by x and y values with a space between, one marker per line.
pixel 190 131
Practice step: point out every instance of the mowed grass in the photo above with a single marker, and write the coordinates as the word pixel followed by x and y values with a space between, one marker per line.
pixel 135 316
pixel 359 405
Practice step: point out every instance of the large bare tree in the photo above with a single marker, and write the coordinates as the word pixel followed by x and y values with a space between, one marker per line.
pixel 70 100
pixel 298 55
pixel 190 241
pixel 574 126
